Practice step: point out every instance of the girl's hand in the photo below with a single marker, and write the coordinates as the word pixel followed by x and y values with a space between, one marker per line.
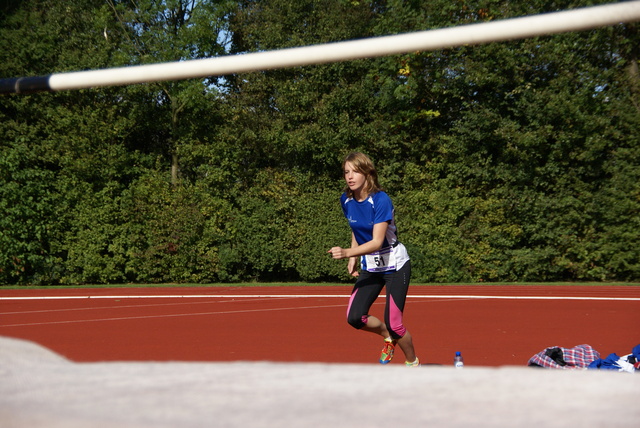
pixel 353 266
pixel 337 253
pixel 341 253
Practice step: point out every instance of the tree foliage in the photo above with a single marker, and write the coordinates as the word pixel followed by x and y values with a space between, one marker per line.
pixel 510 161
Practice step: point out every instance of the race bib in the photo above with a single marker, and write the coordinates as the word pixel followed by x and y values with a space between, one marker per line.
pixel 381 261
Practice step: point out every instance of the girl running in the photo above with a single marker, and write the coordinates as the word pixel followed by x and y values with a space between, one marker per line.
pixel 384 261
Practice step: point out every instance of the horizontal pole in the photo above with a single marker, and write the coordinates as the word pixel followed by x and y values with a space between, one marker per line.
pixel 474 34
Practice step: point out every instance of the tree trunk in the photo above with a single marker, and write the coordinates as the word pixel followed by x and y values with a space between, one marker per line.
pixel 174 168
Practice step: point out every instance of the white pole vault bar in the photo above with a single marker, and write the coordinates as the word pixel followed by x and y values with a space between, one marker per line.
pixel 474 34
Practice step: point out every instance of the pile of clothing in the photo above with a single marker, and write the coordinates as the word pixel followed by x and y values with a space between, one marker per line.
pixel 585 357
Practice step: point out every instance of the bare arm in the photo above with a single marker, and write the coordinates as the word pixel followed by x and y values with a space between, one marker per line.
pixel 379 232
pixel 352 266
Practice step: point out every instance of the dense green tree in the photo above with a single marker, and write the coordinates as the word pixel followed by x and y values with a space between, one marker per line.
pixel 300 117
pixel 523 152
pixel 174 30
pixel 54 148
pixel 85 143
pixel 510 161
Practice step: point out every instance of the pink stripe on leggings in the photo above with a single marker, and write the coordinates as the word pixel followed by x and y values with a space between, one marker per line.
pixel 365 318
pixel 395 318
pixel 353 296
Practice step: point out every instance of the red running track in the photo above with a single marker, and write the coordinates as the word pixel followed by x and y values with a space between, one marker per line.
pixel 490 325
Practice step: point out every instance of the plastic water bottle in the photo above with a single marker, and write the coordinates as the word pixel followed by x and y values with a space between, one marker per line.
pixel 458 361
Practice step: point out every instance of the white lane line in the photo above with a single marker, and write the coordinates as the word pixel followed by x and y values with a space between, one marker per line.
pixel 246 311
pixel 137 305
pixel 174 296
pixel 315 296
pixel 246 297
pixel 527 297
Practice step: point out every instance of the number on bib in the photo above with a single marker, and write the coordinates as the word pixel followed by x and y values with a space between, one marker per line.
pixel 381 261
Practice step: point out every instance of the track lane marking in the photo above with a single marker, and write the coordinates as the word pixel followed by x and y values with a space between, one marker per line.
pixel 171 315
pixel 154 305
pixel 314 296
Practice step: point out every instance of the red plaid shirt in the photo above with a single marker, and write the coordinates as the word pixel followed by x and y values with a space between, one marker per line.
pixel 578 357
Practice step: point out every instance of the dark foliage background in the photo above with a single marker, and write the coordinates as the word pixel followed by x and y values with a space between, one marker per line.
pixel 515 161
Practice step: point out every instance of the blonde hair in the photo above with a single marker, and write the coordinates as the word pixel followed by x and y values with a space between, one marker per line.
pixel 363 164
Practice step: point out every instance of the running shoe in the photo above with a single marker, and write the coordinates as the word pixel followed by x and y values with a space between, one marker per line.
pixel 387 352
pixel 416 363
